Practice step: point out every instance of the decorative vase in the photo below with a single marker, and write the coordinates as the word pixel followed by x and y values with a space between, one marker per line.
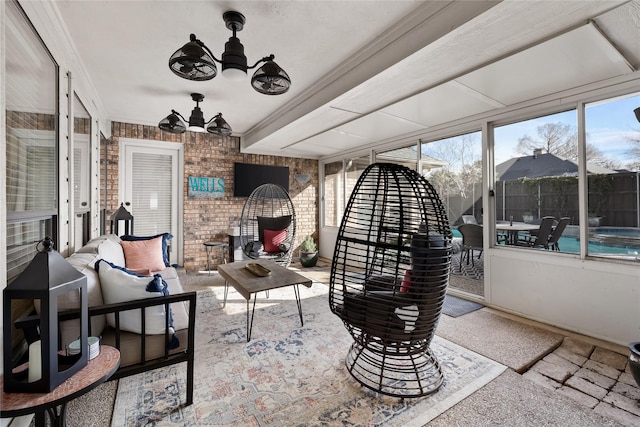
pixel 634 361
pixel 308 259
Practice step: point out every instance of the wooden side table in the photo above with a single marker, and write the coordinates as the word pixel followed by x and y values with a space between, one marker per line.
pixel 97 371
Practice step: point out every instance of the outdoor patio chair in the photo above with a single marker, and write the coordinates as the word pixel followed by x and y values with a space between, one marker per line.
pixel 469 219
pixel 268 225
pixel 541 236
pixel 389 277
pixel 557 233
pixel 472 240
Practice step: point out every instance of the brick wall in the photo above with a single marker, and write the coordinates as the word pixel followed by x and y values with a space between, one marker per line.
pixel 210 155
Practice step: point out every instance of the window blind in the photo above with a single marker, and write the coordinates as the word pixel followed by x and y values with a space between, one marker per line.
pixel 31 141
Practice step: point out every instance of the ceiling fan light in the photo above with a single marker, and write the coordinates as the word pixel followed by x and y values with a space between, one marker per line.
pixel 219 126
pixel 192 62
pixel 234 74
pixel 270 79
pixel 234 61
pixel 172 124
pixel 196 120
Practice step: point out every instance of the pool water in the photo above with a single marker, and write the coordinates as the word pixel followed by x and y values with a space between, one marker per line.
pixel 571 244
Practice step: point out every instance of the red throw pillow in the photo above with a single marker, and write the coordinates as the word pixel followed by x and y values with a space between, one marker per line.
pixel 406 282
pixel 273 239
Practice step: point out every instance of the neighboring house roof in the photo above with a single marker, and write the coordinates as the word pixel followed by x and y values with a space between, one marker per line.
pixel 541 165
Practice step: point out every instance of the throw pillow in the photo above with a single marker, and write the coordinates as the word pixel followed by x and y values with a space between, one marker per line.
pixel 143 255
pixel 165 243
pixel 272 223
pixel 273 239
pixel 121 285
pixel 406 282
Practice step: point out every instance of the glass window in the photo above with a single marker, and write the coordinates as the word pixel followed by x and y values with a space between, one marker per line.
pixel 537 183
pixel 31 141
pixel 333 193
pixel 613 133
pixel 454 167
pixel 339 180
pixel 406 156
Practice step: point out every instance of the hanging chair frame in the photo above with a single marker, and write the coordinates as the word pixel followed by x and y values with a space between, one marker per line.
pixel 388 280
pixel 269 207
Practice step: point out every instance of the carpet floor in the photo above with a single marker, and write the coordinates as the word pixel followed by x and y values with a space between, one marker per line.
pixel 288 374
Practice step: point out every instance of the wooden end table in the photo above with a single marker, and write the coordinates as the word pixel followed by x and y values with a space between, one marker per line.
pixel 248 284
pixel 98 370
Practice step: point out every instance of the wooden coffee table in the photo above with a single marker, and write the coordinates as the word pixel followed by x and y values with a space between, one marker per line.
pixel 247 283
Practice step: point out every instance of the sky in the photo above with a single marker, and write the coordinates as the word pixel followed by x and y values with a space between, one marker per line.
pixel 609 126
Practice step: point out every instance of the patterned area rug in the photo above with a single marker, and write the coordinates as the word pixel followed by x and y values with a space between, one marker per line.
pixel 288 375
pixel 470 270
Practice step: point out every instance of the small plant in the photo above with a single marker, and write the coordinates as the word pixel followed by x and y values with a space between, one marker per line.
pixel 308 245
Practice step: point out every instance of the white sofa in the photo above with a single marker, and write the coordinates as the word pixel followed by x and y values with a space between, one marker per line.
pixel 112 318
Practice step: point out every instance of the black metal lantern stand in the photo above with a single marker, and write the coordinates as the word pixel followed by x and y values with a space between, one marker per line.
pixel 46 365
pixel 122 214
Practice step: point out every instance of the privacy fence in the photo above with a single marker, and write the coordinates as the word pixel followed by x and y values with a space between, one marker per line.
pixel 614 199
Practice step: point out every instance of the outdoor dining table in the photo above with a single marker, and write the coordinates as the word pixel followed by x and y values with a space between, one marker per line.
pixel 513 230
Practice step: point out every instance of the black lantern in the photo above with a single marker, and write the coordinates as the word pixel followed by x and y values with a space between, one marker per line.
pixel 122 214
pixel 46 365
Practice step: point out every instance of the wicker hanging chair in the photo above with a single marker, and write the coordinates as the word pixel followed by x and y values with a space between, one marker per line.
pixel 268 225
pixel 389 277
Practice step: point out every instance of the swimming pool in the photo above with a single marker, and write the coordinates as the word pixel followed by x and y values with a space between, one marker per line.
pixel 602 240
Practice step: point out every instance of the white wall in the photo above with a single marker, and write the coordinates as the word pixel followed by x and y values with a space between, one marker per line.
pixel 597 298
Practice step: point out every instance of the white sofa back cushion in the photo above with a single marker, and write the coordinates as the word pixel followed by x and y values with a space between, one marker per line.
pixel 111 251
pixel 119 285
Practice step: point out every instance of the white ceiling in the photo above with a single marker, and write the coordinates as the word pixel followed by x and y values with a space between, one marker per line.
pixel 362 71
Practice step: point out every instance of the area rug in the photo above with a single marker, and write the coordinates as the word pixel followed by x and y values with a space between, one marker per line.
pixel 456 307
pixel 288 375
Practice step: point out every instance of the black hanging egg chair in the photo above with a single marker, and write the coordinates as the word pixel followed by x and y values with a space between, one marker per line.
pixel 389 277
pixel 268 225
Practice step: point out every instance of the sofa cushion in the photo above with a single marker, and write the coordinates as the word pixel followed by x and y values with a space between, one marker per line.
pixel 143 255
pixel 131 345
pixel 110 250
pixel 165 243
pixel 118 285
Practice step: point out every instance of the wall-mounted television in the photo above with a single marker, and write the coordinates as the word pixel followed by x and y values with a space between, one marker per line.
pixel 247 177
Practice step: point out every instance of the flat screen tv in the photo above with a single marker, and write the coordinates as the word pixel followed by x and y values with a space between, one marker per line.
pixel 247 177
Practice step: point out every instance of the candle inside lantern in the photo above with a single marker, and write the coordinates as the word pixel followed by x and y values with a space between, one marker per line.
pixel 35 361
